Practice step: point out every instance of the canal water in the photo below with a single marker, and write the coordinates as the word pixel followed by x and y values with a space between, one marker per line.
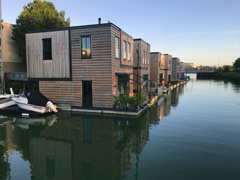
pixel 191 133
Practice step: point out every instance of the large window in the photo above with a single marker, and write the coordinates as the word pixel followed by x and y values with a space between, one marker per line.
pixel 160 78
pixel 47 49
pixel 143 57
pixel 129 52
pixel 117 47
pixel 145 83
pixel 86 47
pixel 125 50
pixel 123 85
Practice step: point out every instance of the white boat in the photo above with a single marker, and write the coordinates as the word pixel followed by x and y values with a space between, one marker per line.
pixel 6 101
pixel 165 90
pixel 24 123
pixel 40 106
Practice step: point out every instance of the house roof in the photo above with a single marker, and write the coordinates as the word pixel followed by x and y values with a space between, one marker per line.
pixel 81 27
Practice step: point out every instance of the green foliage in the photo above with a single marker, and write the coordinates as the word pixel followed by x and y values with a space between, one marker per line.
pixel 236 64
pixel 226 68
pixel 125 98
pixel 37 15
pixel 142 97
pixel 230 76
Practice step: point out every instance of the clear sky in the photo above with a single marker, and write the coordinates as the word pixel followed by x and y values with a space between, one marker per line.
pixel 204 32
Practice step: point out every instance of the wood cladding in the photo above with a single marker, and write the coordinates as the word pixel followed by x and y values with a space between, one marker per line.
pixel 156 62
pixel 58 66
pixel 144 69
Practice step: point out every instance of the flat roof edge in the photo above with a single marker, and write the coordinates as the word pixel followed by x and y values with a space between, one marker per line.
pixel 79 27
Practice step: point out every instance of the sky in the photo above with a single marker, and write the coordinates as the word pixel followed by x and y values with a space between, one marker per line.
pixel 203 32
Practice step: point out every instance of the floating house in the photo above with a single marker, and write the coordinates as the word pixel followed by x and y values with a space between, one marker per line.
pixel 175 69
pixel 82 66
pixel 141 66
pixel 157 68
pixel 182 70
pixel 167 68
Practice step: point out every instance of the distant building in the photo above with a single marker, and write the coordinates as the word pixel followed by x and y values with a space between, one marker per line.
pixel 141 64
pixel 157 68
pixel 167 68
pixel 175 69
pixel 182 70
pixel 11 59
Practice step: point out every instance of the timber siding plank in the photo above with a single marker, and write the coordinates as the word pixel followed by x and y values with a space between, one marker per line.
pixel 59 66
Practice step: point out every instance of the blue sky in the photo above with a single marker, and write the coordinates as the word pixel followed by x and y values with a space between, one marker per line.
pixel 205 32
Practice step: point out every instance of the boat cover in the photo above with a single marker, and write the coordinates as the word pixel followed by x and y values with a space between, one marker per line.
pixel 36 98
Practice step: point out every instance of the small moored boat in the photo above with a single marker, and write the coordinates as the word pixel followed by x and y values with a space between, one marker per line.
pixel 36 102
pixel 6 101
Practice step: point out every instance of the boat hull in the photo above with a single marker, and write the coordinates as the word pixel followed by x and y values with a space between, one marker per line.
pixel 30 107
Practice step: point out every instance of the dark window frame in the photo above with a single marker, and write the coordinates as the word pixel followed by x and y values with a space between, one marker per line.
pixel 129 51
pixel 124 50
pixel 86 57
pixel 116 37
pixel 47 48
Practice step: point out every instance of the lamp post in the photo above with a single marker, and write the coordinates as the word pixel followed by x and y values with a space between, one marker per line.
pixel 137 73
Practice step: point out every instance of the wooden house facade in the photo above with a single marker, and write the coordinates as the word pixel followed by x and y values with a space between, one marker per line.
pixel 141 65
pixel 182 70
pixel 157 68
pixel 167 68
pixel 175 69
pixel 81 66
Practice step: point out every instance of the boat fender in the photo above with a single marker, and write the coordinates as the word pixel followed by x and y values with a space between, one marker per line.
pixel 51 106
pixel 11 90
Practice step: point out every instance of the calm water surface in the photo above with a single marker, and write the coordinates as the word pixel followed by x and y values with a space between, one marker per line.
pixel 192 133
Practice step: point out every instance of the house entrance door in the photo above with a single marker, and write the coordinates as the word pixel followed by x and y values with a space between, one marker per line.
pixel 87 93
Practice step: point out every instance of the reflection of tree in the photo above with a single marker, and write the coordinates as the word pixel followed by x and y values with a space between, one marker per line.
pixel 4 165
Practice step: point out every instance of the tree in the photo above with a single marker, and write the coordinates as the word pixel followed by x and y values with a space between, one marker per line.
pixel 236 64
pixel 37 15
pixel 226 68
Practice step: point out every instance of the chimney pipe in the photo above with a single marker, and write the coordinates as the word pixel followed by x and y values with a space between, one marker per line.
pixel 99 20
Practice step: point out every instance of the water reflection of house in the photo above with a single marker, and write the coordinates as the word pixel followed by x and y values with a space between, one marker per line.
pixel 50 158
pixel 91 147
pixel 167 104
pixel 174 97
pixel 81 66
pixel 181 90
pixel 154 115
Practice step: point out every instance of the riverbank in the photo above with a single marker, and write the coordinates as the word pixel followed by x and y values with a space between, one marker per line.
pixel 230 76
